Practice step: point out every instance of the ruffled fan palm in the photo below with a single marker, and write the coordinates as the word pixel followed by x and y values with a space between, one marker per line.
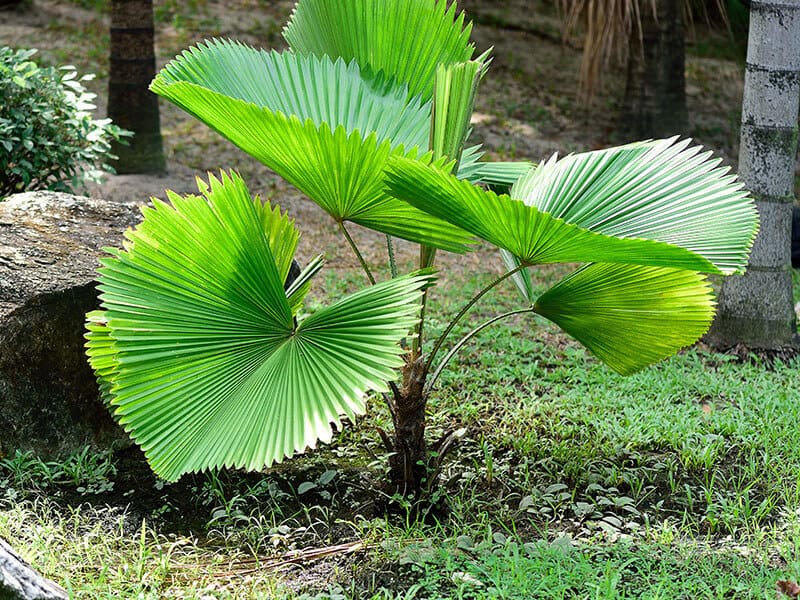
pixel 200 351
pixel 356 89
pixel 650 219
pixel 207 361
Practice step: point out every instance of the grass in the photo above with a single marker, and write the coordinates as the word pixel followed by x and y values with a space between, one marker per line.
pixel 570 482
pixel 506 568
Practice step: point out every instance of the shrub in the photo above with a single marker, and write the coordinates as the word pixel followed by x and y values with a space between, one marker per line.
pixel 48 138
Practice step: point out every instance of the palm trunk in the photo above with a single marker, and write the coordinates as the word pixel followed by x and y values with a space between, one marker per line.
pixel 408 461
pixel 756 309
pixel 131 105
pixel 654 105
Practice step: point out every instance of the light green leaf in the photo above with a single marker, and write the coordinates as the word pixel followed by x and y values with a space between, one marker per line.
pixel 533 236
pixel 197 345
pixel 315 122
pixel 659 190
pixel 101 352
pixel 630 316
pixel 318 89
pixel 298 289
pixel 453 98
pixel 502 174
pixel 522 278
pixel 406 39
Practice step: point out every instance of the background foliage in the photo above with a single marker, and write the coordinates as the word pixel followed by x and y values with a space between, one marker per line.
pixel 48 137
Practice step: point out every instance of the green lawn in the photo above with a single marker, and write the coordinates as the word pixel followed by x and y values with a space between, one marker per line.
pixel 682 481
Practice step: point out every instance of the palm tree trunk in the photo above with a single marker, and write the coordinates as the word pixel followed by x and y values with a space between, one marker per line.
pixel 408 458
pixel 654 105
pixel 756 309
pixel 132 66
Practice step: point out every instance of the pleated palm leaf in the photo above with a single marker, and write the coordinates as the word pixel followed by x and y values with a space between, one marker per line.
pixel 201 353
pixel 649 219
pixel 356 89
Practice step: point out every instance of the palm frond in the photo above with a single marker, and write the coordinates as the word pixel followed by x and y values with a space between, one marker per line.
pixel 535 237
pixel 321 89
pixel 630 316
pixel 315 122
pixel 650 203
pixel 453 100
pixel 101 352
pixel 494 174
pixel 660 190
pixel 405 39
pixel 197 346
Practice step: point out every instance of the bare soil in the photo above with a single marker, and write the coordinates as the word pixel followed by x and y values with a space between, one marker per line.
pixel 527 107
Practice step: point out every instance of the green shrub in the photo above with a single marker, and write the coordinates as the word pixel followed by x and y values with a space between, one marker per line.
pixel 48 138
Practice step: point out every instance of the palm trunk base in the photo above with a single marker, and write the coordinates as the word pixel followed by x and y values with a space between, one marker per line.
pixel 408 461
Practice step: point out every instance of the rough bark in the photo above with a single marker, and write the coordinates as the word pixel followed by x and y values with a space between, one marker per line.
pixel 132 66
pixel 49 249
pixel 796 237
pixel 654 105
pixel 408 462
pixel 18 581
pixel 756 309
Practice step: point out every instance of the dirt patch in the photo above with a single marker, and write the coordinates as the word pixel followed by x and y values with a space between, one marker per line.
pixel 526 109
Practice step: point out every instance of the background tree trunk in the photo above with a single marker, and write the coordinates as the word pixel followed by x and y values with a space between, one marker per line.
pixel 756 309
pixel 654 105
pixel 132 66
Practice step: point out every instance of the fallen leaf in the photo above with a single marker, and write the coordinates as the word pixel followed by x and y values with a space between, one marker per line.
pixel 788 588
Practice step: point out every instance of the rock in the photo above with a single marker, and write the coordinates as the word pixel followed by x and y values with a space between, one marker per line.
pixel 49 249
pixel 18 581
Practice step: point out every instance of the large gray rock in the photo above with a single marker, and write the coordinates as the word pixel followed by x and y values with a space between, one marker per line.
pixel 18 581
pixel 49 249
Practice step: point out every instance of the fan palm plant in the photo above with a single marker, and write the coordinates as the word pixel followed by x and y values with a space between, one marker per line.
pixel 208 362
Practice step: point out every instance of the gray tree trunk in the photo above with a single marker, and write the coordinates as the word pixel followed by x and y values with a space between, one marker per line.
pixel 19 582
pixel 132 66
pixel 654 105
pixel 756 309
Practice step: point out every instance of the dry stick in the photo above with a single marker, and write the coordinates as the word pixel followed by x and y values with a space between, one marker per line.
pixel 293 558
pixel 465 339
pixel 357 252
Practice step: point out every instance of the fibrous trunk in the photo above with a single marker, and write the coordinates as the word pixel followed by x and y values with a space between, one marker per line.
pixel 408 461
pixel 131 105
